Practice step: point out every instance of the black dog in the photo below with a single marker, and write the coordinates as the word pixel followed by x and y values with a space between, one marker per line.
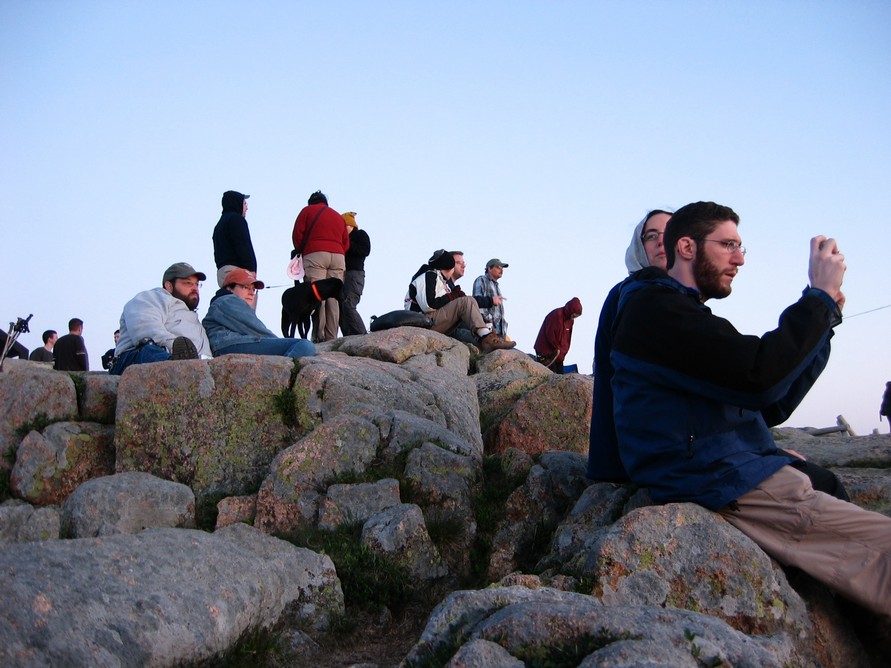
pixel 301 301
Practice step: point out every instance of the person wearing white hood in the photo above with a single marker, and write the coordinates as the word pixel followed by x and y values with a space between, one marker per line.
pixel 647 250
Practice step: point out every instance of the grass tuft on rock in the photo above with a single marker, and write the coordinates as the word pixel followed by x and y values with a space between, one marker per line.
pixel 368 580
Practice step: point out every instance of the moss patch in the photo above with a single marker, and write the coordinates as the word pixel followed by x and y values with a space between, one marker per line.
pixel 38 423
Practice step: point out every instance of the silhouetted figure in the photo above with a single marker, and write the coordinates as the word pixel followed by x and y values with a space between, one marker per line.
pixel 886 403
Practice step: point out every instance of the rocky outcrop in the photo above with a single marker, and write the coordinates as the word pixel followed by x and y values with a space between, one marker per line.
pixel 380 439
pixel 162 597
pixel 534 509
pixel 530 625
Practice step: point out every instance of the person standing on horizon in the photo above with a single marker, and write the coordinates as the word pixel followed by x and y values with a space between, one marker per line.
pixel 45 352
pixel 232 246
pixel 487 286
pixel 70 353
pixel 354 277
pixel 322 237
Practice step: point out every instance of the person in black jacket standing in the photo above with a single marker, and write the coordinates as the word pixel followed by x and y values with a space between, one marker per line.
pixel 232 247
pixel 70 352
pixel 354 277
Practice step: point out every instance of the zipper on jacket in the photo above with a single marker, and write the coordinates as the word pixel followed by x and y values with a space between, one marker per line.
pixel 690 439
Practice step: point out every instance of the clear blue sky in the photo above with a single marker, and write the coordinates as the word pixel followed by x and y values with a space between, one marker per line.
pixel 536 132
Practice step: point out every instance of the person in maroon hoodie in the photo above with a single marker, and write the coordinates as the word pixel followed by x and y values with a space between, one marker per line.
pixel 555 335
pixel 322 237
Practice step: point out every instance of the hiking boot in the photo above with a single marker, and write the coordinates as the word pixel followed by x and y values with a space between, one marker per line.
pixel 184 349
pixel 492 342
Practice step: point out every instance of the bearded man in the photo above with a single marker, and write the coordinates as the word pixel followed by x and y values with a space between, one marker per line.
pixel 161 323
pixel 694 399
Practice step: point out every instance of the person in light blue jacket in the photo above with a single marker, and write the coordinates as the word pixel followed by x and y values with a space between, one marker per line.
pixel 232 326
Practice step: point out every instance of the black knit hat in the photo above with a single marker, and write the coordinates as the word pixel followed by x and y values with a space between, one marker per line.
pixel 441 259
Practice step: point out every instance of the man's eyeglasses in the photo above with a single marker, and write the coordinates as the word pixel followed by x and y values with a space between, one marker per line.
pixel 190 283
pixel 731 246
pixel 651 236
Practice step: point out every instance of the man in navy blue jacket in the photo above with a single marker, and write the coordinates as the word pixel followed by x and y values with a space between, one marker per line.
pixel 693 399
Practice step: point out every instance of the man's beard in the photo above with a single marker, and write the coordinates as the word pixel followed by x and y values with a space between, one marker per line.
pixel 708 277
pixel 191 302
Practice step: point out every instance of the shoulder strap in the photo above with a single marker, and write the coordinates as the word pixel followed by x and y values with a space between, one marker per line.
pixel 309 230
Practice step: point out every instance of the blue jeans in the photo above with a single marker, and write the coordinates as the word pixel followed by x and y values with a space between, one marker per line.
pixel 285 347
pixel 142 355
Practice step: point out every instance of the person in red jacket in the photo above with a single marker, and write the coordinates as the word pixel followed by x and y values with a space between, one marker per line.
pixel 322 237
pixel 555 335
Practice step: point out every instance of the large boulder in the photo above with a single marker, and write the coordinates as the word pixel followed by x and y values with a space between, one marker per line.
pixel 50 465
pixel 554 415
pixel 212 425
pixel 684 556
pixel 31 393
pixel 126 503
pixel 336 384
pixel 502 377
pixel 415 347
pixel 549 627
pixel 163 597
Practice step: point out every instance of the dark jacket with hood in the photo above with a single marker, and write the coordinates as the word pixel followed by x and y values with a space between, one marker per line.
pixel 231 237
pixel 694 398
pixel 556 331
pixel 360 248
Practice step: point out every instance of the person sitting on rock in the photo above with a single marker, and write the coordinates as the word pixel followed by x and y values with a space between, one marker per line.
pixel 647 250
pixel 232 325
pixel 694 398
pixel 555 335
pixel 161 323
pixel 429 292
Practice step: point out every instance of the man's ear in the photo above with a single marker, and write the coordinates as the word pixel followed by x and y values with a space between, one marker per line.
pixel 686 248
pixel 168 285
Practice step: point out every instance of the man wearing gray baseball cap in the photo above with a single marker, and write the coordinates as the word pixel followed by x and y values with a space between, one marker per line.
pixel 161 324
pixel 487 286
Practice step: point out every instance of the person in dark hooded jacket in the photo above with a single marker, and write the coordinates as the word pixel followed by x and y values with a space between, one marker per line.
pixel 555 335
pixel 232 247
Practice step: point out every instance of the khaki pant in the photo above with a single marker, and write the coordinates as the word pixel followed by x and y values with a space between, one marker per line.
pixel 840 544
pixel 464 309
pixel 317 266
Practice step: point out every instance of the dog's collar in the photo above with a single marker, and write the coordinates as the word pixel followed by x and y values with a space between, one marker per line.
pixel 315 291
